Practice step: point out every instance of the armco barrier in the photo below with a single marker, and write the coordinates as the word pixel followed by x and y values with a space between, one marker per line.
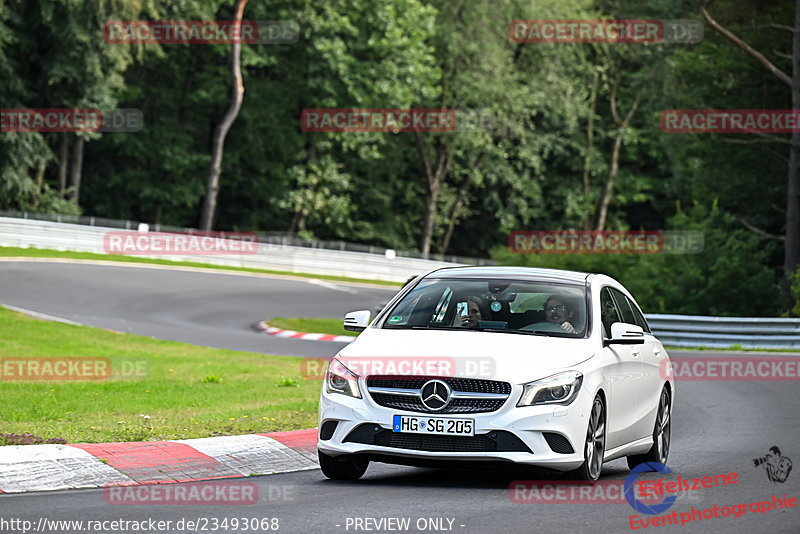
pixel 721 332
pixel 29 233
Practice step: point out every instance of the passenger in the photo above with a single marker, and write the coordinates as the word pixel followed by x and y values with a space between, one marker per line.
pixel 557 312
pixel 476 311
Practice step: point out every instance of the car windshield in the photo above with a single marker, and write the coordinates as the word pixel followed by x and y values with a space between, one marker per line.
pixel 519 307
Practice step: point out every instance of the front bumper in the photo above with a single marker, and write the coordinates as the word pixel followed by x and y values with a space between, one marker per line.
pixel 518 433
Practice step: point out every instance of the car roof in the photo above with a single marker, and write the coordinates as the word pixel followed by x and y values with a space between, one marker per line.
pixel 511 273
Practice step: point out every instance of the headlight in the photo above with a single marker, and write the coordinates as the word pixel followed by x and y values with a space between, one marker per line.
pixel 340 379
pixel 557 389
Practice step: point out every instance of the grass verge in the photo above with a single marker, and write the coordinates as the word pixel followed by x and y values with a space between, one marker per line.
pixel 313 325
pixel 185 391
pixel 48 253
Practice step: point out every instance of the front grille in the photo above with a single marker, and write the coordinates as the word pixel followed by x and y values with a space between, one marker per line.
pixel 558 443
pixel 413 403
pixel 495 441
pixel 470 385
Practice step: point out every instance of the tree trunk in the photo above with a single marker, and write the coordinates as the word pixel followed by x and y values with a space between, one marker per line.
pixel 460 198
pixel 39 182
pixel 293 225
pixel 792 242
pixel 77 168
pixel 430 217
pixel 589 146
pixel 435 179
pixel 63 156
pixel 462 195
pixel 622 124
pixel 221 131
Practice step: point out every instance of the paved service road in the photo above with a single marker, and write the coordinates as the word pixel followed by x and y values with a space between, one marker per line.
pixel 719 428
pixel 211 309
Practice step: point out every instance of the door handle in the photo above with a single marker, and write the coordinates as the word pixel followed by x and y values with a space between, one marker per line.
pixel 656 353
pixel 635 353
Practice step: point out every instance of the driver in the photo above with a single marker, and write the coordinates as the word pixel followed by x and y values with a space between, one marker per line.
pixel 558 314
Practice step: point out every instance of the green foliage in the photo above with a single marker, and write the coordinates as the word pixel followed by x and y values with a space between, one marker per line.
pixel 520 168
pixel 795 312
pixel 287 383
pixel 731 276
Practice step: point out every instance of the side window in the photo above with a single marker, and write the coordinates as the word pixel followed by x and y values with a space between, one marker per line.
pixel 608 311
pixel 637 314
pixel 623 306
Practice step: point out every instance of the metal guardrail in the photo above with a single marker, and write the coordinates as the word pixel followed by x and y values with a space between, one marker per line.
pixel 722 332
pixel 271 255
pixel 272 238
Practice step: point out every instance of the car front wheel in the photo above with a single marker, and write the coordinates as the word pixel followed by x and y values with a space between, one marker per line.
pixel 662 434
pixel 595 444
pixel 342 467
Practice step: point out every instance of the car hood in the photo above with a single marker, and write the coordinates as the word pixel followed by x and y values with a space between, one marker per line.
pixel 517 358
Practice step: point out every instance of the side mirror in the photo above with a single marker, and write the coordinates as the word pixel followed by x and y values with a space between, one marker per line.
pixel 625 334
pixel 357 321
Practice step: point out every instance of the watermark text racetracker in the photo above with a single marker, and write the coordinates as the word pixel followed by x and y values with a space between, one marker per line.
pixel 72 368
pixel 195 493
pixel 164 243
pixel 630 31
pixel 730 120
pixel 377 120
pixel 731 368
pixel 70 120
pixel 605 242
pixel 577 492
pixel 201 31
pixel 445 366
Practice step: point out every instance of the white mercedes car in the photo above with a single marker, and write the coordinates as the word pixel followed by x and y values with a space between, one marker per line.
pixel 547 368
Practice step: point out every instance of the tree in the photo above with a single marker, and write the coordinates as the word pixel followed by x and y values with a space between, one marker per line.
pixel 74 67
pixel 221 131
pixel 792 232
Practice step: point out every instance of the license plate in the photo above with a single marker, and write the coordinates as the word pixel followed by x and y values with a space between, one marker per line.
pixel 442 426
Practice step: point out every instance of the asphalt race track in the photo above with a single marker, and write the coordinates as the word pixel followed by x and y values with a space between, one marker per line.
pixel 214 310
pixel 718 427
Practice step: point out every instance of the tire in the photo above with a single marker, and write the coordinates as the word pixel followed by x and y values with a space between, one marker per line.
pixel 594 445
pixel 662 435
pixel 342 467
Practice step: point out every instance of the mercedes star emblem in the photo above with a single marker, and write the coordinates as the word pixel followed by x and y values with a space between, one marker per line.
pixel 435 395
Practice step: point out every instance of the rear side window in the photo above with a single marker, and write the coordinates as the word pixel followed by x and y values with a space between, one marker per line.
pixel 623 306
pixel 639 316
pixel 629 310
pixel 608 311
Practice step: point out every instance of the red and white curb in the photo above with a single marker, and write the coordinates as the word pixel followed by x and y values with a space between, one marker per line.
pixel 262 326
pixel 26 468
